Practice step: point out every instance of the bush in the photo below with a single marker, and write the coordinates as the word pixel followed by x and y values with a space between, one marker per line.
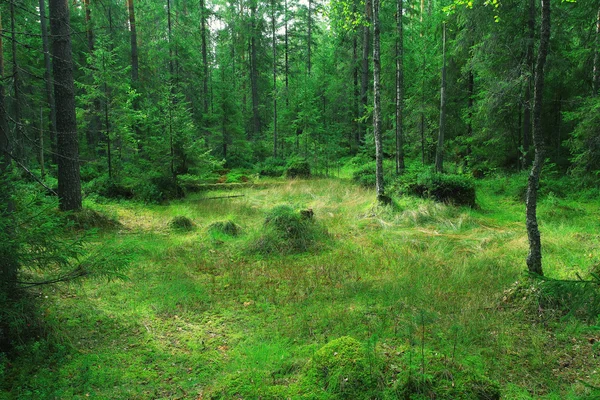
pixel 298 169
pixel 341 368
pixel 228 228
pixel 365 175
pixel 274 167
pixel 158 189
pixel 453 189
pixel 289 231
pixel 181 223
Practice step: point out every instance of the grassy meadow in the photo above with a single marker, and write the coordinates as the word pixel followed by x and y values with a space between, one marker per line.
pixel 416 300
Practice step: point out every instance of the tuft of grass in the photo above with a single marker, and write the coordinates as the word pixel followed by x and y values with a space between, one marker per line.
pixel 181 223
pixel 228 228
pixel 287 231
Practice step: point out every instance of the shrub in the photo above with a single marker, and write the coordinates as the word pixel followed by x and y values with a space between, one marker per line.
pixel 341 368
pixel 453 189
pixel 289 231
pixel 298 169
pixel 274 167
pixel 228 228
pixel 365 175
pixel 181 223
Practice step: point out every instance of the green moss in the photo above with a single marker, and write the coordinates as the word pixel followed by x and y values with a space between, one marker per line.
pixel 341 369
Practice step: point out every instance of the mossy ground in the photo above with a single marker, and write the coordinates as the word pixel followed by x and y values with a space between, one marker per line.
pixel 420 285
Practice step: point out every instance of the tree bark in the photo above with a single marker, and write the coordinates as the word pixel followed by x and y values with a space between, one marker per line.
pixel 135 64
pixel 534 258
pixel 69 182
pixel 308 63
pixel 364 83
pixel 529 59
pixel 439 155
pixel 204 55
pixel 20 134
pixel 399 87
pixel 48 81
pixel 377 104
pixel 256 125
pixel 596 70
pixel 287 68
pixel 274 44
pixel 8 260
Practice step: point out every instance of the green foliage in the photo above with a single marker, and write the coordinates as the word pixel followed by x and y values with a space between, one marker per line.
pixel 286 231
pixel 453 189
pixel 271 166
pixel 297 169
pixel 342 369
pixel 365 175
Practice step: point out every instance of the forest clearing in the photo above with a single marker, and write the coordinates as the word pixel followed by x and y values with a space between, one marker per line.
pixel 436 298
pixel 299 199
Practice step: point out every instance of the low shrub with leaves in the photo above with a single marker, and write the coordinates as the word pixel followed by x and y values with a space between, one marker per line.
pixel 286 230
pixel 298 169
pixel 274 167
pixel 458 190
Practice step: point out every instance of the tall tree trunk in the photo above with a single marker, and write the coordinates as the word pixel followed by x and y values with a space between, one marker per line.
pixel 534 258
pixel 274 44
pixel 529 59
pixel 48 81
pixel 422 108
pixel 308 63
pixel 8 260
pixel 439 155
pixel 256 126
pixel 93 131
pixel 399 87
pixel 170 40
pixel 135 64
pixel 20 133
pixel 364 83
pixel 596 71
pixel 377 104
pixel 203 34
pixel 356 98
pixel 287 65
pixel 69 181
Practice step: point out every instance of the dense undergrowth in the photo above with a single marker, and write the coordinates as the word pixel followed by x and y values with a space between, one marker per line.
pixel 254 297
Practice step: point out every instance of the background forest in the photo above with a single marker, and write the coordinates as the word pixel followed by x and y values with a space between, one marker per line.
pixel 124 122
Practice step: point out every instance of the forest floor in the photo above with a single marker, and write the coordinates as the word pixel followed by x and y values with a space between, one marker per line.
pixel 428 290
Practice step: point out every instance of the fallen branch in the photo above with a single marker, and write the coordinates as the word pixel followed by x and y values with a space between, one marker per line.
pixel 222 197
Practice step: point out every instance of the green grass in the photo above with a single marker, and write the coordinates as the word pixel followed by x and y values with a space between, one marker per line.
pixel 419 285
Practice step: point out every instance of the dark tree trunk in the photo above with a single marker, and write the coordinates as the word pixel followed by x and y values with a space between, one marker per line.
pixel 274 44
pixel 287 67
pixel 205 76
pixel 20 134
pixel 439 155
pixel 308 63
pixel 135 64
pixel 399 87
pixel 534 258
pixel 529 59
pixel 69 182
pixel 377 104
pixel 8 261
pixel 48 82
pixel 94 127
pixel 364 83
pixel 256 126
pixel 596 70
